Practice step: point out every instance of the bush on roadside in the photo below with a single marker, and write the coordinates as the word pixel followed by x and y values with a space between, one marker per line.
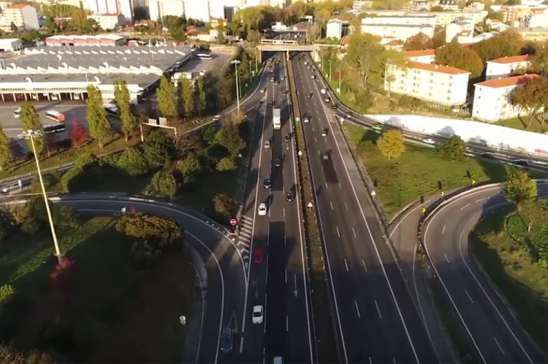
pixel 224 206
pixel 453 148
pixel 158 149
pixel 163 184
pixel 133 162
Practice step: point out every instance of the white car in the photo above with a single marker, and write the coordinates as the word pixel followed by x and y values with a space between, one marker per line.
pixel 429 141
pixel 267 144
pixel 306 120
pixel 262 209
pixel 262 90
pixel 257 317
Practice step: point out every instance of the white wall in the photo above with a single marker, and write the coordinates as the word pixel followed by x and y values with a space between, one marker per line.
pixel 493 136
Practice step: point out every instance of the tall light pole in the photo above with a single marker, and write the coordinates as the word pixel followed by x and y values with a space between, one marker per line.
pixel 236 63
pixel 30 134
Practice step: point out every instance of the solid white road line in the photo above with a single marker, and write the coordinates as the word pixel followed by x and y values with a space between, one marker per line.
pixel 346 265
pixel 443 229
pixel 354 233
pixel 364 265
pixel 357 309
pixel 285 276
pixel 286 323
pixel 499 346
pixel 468 295
pixel 338 232
pixel 446 258
pixel 378 310
pixel 465 206
pixel 331 205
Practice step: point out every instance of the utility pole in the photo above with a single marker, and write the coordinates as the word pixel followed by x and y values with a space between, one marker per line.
pixel 31 134
pixel 235 63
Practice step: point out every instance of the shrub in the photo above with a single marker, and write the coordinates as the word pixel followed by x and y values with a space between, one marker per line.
pixel 163 184
pixel 133 162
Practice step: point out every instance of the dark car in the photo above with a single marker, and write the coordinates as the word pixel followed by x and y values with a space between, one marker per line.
pixel 290 197
pixel 324 132
pixel 266 183
pixel 258 256
pixel 227 340
pixel 277 162
pixel 287 138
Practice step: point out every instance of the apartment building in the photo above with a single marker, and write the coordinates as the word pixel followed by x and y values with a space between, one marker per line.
pixel 491 98
pixel 434 83
pixel 399 27
pixel 505 66
pixel 22 15
pixel 111 7
pixel 421 56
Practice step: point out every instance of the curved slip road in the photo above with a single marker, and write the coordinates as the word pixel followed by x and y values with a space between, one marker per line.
pixel 492 329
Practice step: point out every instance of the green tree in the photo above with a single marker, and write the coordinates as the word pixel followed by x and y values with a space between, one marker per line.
pixel 507 43
pixel 391 144
pixel 418 42
pixel 146 226
pixel 519 189
pixel 224 206
pixel 226 164
pixel 453 148
pixel 364 57
pixel 163 184
pixel 229 137
pixel 459 56
pixel 6 156
pixel 7 225
pixel 187 97
pixel 133 161
pixel 7 292
pixel 532 97
pixel 31 121
pixel 201 97
pixel 539 61
pixel 166 98
pixel 98 123
pixel 127 119
pixel 158 149
pixel 190 167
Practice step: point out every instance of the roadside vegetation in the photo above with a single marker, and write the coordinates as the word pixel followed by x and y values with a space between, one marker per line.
pixel 512 246
pixel 100 303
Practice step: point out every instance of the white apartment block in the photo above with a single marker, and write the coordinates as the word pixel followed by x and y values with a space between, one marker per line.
pixel 491 98
pixel 505 66
pixel 399 27
pixel 160 8
pixel 334 29
pixel 434 83
pixel 421 56
pixel 111 7
pixel 22 15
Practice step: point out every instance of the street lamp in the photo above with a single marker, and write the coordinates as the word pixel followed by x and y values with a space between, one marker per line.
pixel 236 63
pixel 31 134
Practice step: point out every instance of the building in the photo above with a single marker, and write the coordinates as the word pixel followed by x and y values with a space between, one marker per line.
pixel 116 7
pixel 448 5
pixel 505 66
pixel 86 40
pixel 421 56
pixel 108 21
pixel 160 8
pixel 22 15
pixel 10 45
pixel 491 101
pixel 458 28
pixel 399 27
pixel 434 83
pixel 420 5
pixel 336 28
pixel 63 73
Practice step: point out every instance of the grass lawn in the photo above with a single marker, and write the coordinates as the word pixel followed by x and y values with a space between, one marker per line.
pixel 521 280
pixel 517 124
pixel 105 310
pixel 416 172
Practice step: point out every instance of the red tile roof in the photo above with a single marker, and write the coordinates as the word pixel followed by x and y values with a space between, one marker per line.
pixel 19 6
pixel 506 82
pixel 437 68
pixel 423 52
pixel 511 59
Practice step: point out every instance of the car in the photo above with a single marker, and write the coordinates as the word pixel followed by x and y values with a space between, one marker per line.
pixel 310 95
pixel 324 131
pixel 17 113
pixel 262 90
pixel 267 144
pixel 313 77
pixel 277 162
pixel 258 255
pixel 306 119
pixel 267 183
pixel 227 340
pixel 217 117
pixel 327 100
pixel 272 79
pixel 429 141
pixel 287 138
pixel 262 209
pixel 323 91
pixel 325 156
pixel 257 317
pixel 290 197
pixel 282 78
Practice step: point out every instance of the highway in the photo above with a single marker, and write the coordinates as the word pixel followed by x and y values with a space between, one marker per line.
pixel 377 321
pixel 493 331
pixel 224 292
pixel 277 274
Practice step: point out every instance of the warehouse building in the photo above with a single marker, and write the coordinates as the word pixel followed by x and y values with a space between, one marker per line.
pixel 63 73
pixel 108 40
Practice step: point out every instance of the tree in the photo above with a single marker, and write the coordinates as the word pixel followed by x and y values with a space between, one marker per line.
pixel 364 56
pixel 6 155
pixel 189 167
pixel 229 138
pixel 7 292
pixel 31 121
pixel 418 42
pixel 226 164
pixel 166 98
pixel 391 144
pixel 78 134
pixel 453 148
pixel 99 126
pixel 133 161
pixel 224 205
pixel 519 188
pixel 459 56
pixel 187 97
pixel 507 43
pixel 532 97
pixel 11 355
pixel 163 184
pixel 539 61
pixel 7 225
pixel 201 97
pixel 158 149
pixel 121 98
pixel 145 226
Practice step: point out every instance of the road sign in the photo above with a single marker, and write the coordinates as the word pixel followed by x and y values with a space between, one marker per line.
pixel 233 222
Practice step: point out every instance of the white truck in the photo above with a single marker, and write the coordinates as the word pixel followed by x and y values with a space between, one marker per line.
pixel 276 122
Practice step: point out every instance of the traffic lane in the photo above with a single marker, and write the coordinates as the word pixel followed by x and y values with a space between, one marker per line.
pixel 220 255
pixel 409 319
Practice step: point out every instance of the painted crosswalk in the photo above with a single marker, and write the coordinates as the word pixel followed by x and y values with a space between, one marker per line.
pixel 244 236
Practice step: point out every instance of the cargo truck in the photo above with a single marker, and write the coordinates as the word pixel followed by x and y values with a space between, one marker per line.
pixel 276 122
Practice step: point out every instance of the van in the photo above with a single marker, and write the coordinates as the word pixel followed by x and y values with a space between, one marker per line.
pixel 278 360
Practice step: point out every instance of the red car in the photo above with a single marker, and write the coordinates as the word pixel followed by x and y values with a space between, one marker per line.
pixel 259 256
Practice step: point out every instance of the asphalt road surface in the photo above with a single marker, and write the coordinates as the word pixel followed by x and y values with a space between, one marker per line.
pixel 376 319
pixel 493 331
